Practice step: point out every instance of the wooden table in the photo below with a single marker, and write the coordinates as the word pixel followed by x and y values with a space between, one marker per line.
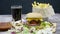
pixel 53 19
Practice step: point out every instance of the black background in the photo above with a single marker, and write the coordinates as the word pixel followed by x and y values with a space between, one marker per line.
pixel 26 5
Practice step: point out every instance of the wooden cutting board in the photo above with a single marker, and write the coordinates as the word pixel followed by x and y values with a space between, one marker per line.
pixel 5 26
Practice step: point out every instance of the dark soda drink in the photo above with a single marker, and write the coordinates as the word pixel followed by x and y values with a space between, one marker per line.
pixel 16 12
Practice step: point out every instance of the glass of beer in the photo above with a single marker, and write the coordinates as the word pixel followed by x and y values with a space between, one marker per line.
pixel 16 12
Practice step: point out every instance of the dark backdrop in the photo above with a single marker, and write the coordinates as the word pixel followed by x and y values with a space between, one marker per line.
pixel 26 4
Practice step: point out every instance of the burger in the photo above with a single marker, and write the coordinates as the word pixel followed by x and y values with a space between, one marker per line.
pixel 34 19
pixel 37 20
